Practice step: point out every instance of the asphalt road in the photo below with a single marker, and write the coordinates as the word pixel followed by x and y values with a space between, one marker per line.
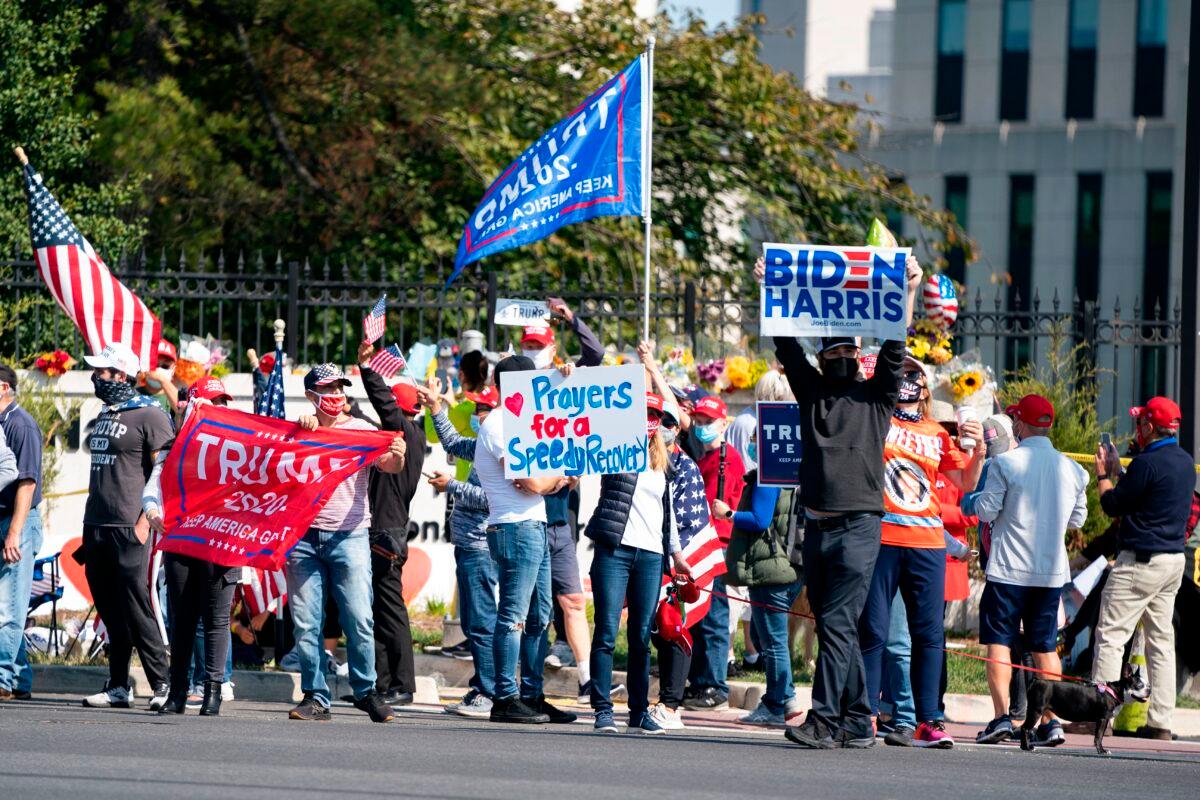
pixel 56 749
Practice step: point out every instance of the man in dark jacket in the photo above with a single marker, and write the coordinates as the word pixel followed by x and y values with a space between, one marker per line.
pixel 1154 501
pixel 391 494
pixel 844 421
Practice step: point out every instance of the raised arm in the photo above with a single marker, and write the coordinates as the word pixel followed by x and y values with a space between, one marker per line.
pixel 378 392
pixel 591 351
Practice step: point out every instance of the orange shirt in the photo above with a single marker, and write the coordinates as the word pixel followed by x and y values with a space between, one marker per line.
pixel 912 457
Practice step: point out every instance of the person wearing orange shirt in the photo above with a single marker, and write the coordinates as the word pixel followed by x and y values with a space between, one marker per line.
pixel 912 556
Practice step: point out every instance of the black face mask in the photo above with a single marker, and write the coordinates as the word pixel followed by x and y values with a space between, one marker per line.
pixel 910 391
pixel 840 369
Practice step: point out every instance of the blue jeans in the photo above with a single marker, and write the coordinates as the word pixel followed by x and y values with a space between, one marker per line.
pixel 476 574
pixel 920 575
pixel 897 697
pixel 341 559
pixel 16 581
pixel 198 673
pixel 710 648
pixel 620 575
pixel 522 555
pixel 772 629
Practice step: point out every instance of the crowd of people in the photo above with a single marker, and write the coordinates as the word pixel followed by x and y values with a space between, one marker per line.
pixel 871 544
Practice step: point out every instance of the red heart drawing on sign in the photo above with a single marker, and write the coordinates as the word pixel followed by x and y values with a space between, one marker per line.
pixel 74 570
pixel 515 403
pixel 416 573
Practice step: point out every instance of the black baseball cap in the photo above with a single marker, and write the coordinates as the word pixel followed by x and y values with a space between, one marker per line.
pixel 829 342
pixel 512 364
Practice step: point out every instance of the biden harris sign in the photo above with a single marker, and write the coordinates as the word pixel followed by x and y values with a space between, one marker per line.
pixel 817 290
pixel 588 165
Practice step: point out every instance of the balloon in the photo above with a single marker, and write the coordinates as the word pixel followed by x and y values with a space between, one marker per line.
pixel 880 236
pixel 941 301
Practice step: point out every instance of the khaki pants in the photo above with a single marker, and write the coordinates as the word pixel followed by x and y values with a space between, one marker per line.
pixel 1141 593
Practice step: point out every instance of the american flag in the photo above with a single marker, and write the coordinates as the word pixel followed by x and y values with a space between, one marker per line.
pixel 103 309
pixel 697 536
pixel 375 322
pixel 388 361
pixel 263 590
pixel 270 404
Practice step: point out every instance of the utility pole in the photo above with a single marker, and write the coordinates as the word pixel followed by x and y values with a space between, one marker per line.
pixel 1189 371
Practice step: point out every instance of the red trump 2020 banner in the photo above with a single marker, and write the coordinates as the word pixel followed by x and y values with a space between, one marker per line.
pixel 241 489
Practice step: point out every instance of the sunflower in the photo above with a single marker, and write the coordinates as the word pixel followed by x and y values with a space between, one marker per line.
pixel 967 384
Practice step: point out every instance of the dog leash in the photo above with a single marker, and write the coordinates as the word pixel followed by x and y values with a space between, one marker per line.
pixel 781 610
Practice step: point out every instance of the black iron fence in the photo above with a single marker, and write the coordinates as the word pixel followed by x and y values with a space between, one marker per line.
pixel 237 300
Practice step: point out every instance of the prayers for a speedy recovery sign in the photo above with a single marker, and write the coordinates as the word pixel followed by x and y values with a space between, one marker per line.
pixel 591 423
pixel 816 290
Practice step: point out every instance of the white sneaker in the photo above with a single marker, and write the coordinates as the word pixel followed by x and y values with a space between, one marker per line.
pixel 160 697
pixel 118 697
pixel 474 705
pixel 666 718
pixel 762 716
pixel 560 656
pixel 793 709
pixel 227 691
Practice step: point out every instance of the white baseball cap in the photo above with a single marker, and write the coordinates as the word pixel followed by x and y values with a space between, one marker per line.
pixel 116 356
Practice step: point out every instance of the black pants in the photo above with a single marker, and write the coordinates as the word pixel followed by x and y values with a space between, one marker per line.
pixel 393 638
pixel 198 590
pixel 117 566
pixel 839 558
pixel 673 666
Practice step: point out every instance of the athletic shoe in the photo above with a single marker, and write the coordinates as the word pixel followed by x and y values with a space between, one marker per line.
pixel 585 693
pixel 195 696
pixel 812 733
pixel 514 710
pixel 933 734
pixel 458 650
pixel 310 710
pixel 711 699
pixel 666 718
pixel 793 710
pixel 733 670
pixel 604 723
pixel 560 655
pixel 474 704
pixel 645 725
pixel 1049 735
pixel 883 727
pixel 899 736
pixel 160 696
pixel 110 697
pixel 557 716
pixel 395 697
pixel 762 716
pixel 998 730
pixel 21 694
pixel 375 706
pixel 619 693
pixel 753 664
pixel 335 667
pixel 848 741
pixel 227 691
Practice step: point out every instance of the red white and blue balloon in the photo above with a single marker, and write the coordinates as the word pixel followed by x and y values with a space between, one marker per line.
pixel 941 301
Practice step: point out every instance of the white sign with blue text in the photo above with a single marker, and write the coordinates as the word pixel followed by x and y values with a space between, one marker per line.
pixel 818 290
pixel 592 423
pixel 520 312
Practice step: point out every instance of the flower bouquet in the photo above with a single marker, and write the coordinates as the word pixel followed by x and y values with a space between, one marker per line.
pixel 54 363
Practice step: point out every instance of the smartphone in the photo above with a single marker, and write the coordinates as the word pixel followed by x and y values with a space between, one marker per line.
pixel 1106 440
pixel 430 475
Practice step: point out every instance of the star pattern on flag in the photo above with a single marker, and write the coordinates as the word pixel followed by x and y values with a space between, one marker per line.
pixel 49 225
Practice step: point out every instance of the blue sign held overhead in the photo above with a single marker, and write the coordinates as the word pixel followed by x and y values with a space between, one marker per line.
pixel 588 165
pixel 779 445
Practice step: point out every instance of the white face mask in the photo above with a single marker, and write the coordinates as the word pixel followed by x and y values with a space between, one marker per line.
pixel 542 359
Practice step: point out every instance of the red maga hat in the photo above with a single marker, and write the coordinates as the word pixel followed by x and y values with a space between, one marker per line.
pixel 1033 409
pixel 1162 412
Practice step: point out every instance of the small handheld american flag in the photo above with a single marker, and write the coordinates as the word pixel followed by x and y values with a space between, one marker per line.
pixel 270 404
pixel 701 546
pixel 388 361
pixel 375 322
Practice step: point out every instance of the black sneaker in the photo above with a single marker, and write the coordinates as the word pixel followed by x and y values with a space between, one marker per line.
pixel 461 651
pixel 710 699
pixel 395 697
pixel 812 733
pixel 852 741
pixel 998 730
pixel 557 716
pixel 513 710
pixel 310 710
pixel 899 736
pixel 756 665
pixel 375 706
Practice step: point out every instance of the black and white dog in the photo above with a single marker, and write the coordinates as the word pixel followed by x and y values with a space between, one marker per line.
pixel 1082 702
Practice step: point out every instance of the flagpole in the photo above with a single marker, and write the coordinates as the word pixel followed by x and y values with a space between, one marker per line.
pixel 20 152
pixel 647 180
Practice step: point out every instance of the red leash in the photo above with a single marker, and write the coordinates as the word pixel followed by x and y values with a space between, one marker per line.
pixel 780 610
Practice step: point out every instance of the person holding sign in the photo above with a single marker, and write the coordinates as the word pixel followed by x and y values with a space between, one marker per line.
pixel 335 555
pixel 844 421
pixel 633 529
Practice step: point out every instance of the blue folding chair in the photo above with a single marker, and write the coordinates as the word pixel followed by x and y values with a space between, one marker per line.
pixel 47 588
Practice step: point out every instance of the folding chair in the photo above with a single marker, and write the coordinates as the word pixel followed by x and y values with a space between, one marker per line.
pixel 47 588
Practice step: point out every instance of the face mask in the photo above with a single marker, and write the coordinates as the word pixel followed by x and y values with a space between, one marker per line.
pixel 752 451
pixel 475 423
pixel 542 359
pixel 1140 437
pixel 330 405
pixel 112 392
pixel 910 391
pixel 668 435
pixel 707 434
pixel 841 369
pixel 652 427
pixel 168 371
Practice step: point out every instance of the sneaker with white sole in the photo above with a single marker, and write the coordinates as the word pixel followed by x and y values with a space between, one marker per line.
pixel 474 704
pixel 227 691
pixel 762 716
pixel 793 710
pixel 645 725
pixel 932 734
pixel 195 696
pixel 1049 735
pixel 666 718
pixel 560 655
pixel 160 697
pixel 110 697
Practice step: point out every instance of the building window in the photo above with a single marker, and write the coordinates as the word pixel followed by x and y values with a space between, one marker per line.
pixel 1014 61
pixel 892 216
pixel 1020 260
pixel 957 187
pixel 1155 268
pixel 951 44
pixel 1081 60
pixel 1150 60
pixel 1088 191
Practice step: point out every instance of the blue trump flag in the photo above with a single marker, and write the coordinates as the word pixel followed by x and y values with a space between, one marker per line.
pixel 588 165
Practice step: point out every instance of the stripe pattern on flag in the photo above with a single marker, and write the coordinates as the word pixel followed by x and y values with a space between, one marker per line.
pixel 698 538
pixel 376 321
pixel 388 361
pixel 103 308
pixel 263 590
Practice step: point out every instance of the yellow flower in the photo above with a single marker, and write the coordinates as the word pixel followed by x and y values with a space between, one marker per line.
pixel 967 383
pixel 940 355
pixel 737 371
pixel 919 347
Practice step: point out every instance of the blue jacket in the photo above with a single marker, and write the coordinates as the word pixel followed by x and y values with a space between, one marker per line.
pixel 1154 499
pixel 468 520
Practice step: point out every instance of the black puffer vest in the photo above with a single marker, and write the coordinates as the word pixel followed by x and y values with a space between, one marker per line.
pixel 607 525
